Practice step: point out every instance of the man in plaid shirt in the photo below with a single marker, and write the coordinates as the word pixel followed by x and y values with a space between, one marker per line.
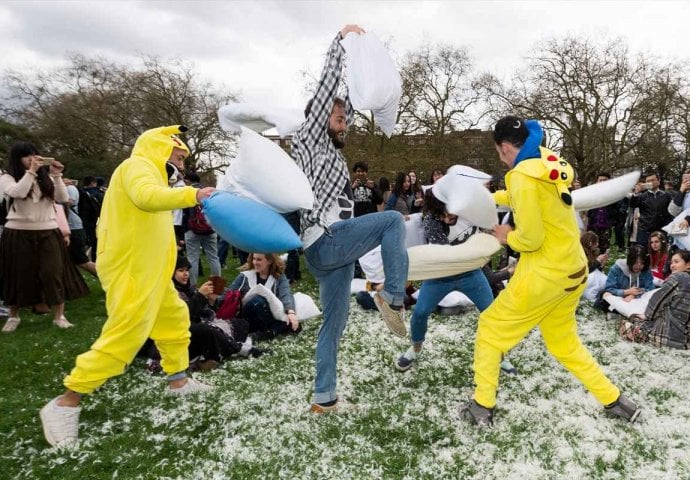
pixel 333 239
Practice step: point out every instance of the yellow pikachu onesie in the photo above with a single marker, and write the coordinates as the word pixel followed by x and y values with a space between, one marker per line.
pixel 548 281
pixel 136 259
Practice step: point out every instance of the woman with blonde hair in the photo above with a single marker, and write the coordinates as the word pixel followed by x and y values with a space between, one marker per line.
pixel 270 311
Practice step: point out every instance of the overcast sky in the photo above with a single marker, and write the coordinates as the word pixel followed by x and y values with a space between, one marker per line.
pixel 260 48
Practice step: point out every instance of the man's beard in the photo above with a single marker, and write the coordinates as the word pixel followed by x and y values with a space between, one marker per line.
pixel 338 142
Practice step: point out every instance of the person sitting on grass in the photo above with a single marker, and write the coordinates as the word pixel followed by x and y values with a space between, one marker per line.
pixel 265 322
pixel 658 251
pixel 212 340
pixel 666 321
pixel 630 278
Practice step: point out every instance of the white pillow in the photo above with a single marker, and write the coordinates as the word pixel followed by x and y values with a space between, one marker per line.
pixel 438 261
pixel 263 172
pixel 596 282
pixel 357 285
pixel 305 306
pixel 462 190
pixel 372 265
pixel 372 79
pixel 274 303
pixel 683 241
pixel 414 231
pixel 627 309
pixel 455 299
pixel 259 118
pixel 604 193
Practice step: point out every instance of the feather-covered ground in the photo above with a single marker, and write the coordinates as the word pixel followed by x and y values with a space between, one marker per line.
pixel 255 424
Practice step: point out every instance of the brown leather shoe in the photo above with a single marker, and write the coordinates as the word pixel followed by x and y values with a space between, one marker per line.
pixel 320 409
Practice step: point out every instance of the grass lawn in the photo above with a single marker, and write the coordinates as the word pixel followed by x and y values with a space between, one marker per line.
pixel 255 424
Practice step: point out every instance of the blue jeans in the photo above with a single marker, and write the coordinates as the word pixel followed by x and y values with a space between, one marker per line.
pixel 223 248
pixel 193 244
pixel 473 284
pixel 331 259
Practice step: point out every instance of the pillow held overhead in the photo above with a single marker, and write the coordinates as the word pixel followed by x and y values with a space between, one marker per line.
pixel 259 118
pixel 372 79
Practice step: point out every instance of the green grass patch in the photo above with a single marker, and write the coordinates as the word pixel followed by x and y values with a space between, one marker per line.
pixel 255 424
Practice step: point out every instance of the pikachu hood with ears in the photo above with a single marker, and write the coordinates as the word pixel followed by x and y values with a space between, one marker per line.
pixel 546 232
pixel 136 240
pixel 541 163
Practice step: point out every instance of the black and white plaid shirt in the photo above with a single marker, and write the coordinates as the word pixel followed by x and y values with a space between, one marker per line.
pixel 312 148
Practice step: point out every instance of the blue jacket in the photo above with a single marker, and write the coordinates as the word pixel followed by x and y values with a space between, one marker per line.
pixel 620 279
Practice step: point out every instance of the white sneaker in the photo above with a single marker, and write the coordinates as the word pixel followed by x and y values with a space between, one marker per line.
pixel 62 322
pixel 60 424
pixel 192 386
pixel 11 325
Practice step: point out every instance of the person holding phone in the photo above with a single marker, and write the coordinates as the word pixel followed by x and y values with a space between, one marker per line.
pixel 631 277
pixel 365 192
pixel 32 251
pixel 681 200
pixel 653 205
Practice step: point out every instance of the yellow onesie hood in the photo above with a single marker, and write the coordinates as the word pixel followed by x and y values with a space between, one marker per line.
pixel 157 145
pixel 551 169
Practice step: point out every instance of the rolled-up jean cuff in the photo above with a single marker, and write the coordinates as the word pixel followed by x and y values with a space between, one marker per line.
pixel 392 298
pixel 177 376
pixel 324 397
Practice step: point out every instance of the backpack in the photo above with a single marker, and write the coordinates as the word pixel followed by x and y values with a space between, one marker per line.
pixel 89 207
pixel 197 222
pixel 232 304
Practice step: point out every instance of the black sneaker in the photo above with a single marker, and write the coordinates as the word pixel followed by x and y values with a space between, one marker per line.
pixel 403 363
pixel 477 415
pixel 623 408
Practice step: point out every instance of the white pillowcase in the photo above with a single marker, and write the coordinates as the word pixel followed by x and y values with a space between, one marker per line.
pixel 683 241
pixel 357 285
pixel 274 303
pixel 414 231
pixel 372 265
pixel 372 79
pixel 305 306
pixel 259 118
pixel 604 193
pixel 453 299
pixel 438 261
pixel 265 173
pixel 462 190
pixel 627 309
pixel 596 282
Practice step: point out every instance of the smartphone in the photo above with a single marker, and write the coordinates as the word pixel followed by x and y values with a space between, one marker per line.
pixel 647 186
pixel 218 284
pixel 47 161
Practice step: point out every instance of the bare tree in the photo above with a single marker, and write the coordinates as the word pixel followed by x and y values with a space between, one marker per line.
pixel 596 102
pixel 91 111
